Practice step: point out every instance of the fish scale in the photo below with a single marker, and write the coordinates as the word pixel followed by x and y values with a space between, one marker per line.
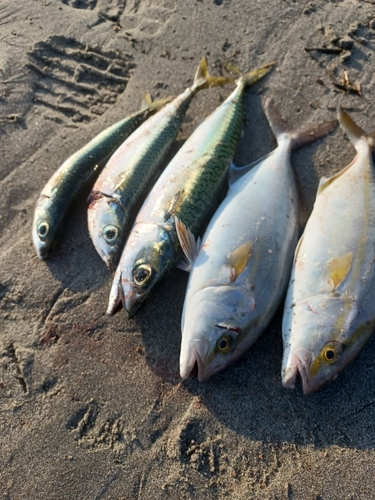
pixel 188 188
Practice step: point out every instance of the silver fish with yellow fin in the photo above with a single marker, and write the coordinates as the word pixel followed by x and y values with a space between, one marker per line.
pixel 329 311
pixel 241 271
pixel 188 189
pixel 134 167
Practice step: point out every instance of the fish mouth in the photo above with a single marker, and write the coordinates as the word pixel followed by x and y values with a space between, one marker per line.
pixel 299 364
pixel 197 351
pixel 132 300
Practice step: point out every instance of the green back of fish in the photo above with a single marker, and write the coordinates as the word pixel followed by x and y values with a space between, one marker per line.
pixel 77 171
pixel 201 189
pixel 145 163
pixel 86 162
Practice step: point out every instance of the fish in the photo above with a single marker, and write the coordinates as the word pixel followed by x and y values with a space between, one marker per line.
pixel 187 188
pixel 133 168
pixel 329 312
pixel 75 173
pixel 240 272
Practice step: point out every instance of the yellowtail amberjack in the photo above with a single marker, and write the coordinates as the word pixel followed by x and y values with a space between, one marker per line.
pixel 188 189
pixel 242 268
pixel 329 311
pixel 134 167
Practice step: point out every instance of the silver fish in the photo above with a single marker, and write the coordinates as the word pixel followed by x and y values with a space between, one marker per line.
pixel 188 188
pixel 241 271
pixel 329 311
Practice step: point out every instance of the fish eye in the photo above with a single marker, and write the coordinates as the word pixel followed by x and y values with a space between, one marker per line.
pixel 142 274
pixel 43 229
pixel 110 234
pixel 224 343
pixel 331 352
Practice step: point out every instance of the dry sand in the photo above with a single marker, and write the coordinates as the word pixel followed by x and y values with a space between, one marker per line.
pixel 92 407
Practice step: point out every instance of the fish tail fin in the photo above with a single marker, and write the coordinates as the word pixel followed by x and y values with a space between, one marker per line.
pixel 249 78
pixel 146 100
pixel 299 137
pixel 203 80
pixel 257 74
pixel 353 131
pixel 148 103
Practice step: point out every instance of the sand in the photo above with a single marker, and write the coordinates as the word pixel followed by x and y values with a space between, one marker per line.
pixel 92 407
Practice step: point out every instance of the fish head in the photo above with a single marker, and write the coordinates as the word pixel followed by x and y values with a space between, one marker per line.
pixel 148 254
pixel 214 326
pixel 44 228
pixel 106 217
pixel 326 334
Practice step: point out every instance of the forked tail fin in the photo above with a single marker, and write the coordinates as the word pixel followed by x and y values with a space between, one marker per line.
pixel 299 137
pixel 353 131
pixel 204 80
pixel 148 103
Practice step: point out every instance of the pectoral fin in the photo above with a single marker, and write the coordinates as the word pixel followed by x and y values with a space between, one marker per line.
pixel 238 259
pixel 189 245
pixel 338 268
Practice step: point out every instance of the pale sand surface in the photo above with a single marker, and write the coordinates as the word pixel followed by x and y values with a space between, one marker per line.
pixel 100 412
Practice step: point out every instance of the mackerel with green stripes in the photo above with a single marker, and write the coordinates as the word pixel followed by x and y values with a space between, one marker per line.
pixel 188 189
pixel 133 168
pixel 69 180
pixel 329 312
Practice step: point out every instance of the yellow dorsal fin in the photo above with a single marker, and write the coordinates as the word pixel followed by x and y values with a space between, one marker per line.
pixel 338 269
pixel 326 181
pixel 238 259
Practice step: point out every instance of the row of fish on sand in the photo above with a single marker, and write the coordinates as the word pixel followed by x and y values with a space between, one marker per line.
pixel 239 272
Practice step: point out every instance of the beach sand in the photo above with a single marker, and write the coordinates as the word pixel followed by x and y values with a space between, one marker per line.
pixel 91 406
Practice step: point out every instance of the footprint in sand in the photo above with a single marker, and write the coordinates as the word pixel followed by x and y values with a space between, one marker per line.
pixel 77 81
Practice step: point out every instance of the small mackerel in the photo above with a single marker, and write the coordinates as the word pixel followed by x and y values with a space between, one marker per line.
pixel 75 173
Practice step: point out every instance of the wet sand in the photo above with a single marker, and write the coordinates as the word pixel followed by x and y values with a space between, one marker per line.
pixel 91 406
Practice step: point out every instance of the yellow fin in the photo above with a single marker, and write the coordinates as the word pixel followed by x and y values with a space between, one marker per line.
pixel 238 259
pixel 146 100
pixel 338 269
